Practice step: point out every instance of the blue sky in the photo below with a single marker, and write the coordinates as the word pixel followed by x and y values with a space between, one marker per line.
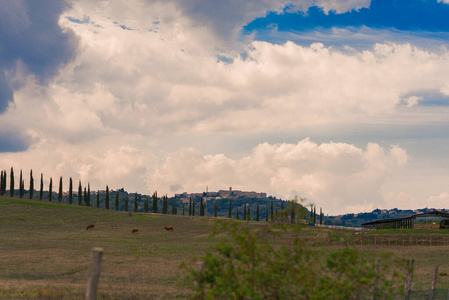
pixel 344 103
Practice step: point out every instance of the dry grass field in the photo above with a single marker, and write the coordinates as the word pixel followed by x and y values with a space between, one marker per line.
pixel 45 250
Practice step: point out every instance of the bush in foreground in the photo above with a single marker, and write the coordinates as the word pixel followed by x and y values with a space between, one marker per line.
pixel 245 267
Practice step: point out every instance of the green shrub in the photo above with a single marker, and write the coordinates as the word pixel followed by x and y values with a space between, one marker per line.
pixel 243 267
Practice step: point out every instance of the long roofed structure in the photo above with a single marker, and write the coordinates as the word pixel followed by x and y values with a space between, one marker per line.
pixel 404 222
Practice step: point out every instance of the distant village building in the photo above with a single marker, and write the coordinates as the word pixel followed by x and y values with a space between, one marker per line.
pixel 221 194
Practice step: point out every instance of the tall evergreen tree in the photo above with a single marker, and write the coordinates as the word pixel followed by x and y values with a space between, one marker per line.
pixel 70 191
pixel 271 210
pixel 41 190
pixel 183 208
pixel 11 183
pixel 136 205
pixel 282 205
pixel 21 185
pixel 266 215
pixel 244 211
pixel 50 190
pixel 173 208
pixel 31 184
pixel 215 209
pixel 98 199
pixel 314 214
pixel 2 182
pixel 201 207
pixel 176 209
pixel 190 206
pixel 106 202
pixel 230 209
pixel 126 203
pixel 116 200
pixel 86 201
pixel 257 213
pixel 155 202
pixel 60 190
pixel 321 216
pixel 145 205
pixel 237 214
pixel 193 207
pixel 248 216
pixel 88 194
pixel 80 194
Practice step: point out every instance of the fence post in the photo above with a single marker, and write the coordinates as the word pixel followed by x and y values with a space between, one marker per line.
pixel 94 273
pixel 408 278
pixel 434 282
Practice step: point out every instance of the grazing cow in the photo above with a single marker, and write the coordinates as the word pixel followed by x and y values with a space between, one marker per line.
pixel 90 226
pixel 169 228
pixel 135 230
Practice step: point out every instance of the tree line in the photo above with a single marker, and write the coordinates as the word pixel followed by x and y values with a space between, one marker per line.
pixel 119 200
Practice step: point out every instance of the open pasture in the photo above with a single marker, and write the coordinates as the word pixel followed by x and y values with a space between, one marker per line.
pixel 45 251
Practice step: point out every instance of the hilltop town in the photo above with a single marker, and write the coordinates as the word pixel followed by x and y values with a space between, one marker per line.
pixel 221 194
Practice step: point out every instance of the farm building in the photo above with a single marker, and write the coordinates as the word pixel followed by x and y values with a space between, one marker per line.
pixel 428 220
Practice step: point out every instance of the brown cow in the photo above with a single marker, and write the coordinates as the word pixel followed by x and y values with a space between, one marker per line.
pixel 135 230
pixel 90 226
pixel 169 228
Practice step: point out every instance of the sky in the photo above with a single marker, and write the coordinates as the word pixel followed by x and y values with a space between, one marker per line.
pixel 342 103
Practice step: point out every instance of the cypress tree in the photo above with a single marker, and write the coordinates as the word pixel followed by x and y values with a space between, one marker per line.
pixel 98 199
pixel 2 181
pixel 88 194
pixel 70 191
pixel 31 184
pixel 248 216
pixel 173 208
pixel 282 205
pixel 20 185
pixel 201 207
pixel 193 208
pixel 183 207
pixel 176 210
pixel 314 214
pixel 86 201
pixel 257 213
pixel 266 215
pixel 230 209
pixel 136 206
pixel 60 190
pixel 321 216
pixel 106 203
pixel 237 214
pixel 244 211
pixel 116 200
pixel 155 202
pixel 215 209
pixel 41 191
pixel 80 193
pixel 126 202
pixel 50 190
pixel 271 210
pixel 11 183
pixel 190 206
pixel 145 205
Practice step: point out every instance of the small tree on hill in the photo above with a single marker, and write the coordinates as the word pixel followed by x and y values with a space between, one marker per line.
pixel 98 199
pixel 88 195
pixel 201 207
pixel 193 207
pixel 70 191
pixel 183 204
pixel 50 190
pixel 41 190
pixel 215 209
pixel 80 193
pixel 190 206
pixel 155 202
pixel 31 184
pixel 257 213
pixel 248 216
pixel 136 205
pixel 145 205
pixel 237 214
pixel 21 187
pixel 11 183
pixel 106 202
pixel 60 190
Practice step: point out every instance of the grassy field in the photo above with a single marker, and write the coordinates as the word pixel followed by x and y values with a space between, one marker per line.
pixel 45 250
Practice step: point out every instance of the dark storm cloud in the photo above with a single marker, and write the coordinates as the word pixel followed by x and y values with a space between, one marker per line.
pixel 13 142
pixel 30 34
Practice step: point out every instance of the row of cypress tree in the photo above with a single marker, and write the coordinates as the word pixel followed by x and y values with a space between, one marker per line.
pixel 86 196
